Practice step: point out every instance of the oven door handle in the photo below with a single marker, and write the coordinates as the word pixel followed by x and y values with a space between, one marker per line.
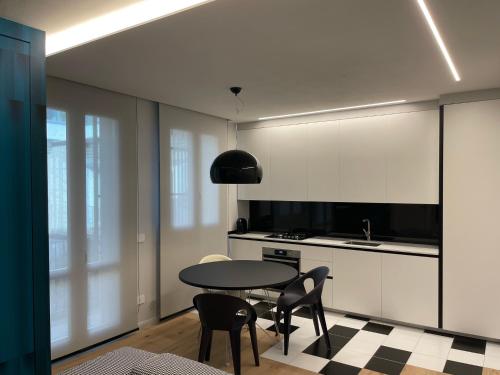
pixel 279 260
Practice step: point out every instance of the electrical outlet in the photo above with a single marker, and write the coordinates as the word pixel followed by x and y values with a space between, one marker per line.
pixel 141 299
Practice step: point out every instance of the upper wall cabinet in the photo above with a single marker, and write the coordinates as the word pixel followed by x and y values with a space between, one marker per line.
pixel 323 161
pixel 390 158
pixel 363 166
pixel 288 163
pixel 413 157
pixel 257 142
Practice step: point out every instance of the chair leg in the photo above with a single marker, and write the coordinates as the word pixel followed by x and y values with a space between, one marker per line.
pixel 277 317
pixel 235 337
pixel 314 316
pixel 209 345
pixel 253 337
pixel 288 322
pixel 203 344
pixel 321 313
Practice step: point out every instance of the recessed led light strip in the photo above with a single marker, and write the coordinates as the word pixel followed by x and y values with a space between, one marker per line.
pixel 439 40
pixel 113 22
pixel 334 109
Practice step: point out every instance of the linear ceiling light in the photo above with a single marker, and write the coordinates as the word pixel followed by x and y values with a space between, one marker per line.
pixel 439 40
pixel 116 21
pixel 334 109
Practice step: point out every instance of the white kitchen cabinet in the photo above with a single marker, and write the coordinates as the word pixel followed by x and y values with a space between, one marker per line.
pixel 288 163
pixel 257 142
pixel 323 162
pixel 471 205
pixel 410 289
pixel 307 265
pixel 245 250
pixel 391 158
pixel 357 281
pixel 412 155
pixel 363 166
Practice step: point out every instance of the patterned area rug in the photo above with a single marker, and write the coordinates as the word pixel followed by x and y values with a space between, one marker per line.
pixel 359 343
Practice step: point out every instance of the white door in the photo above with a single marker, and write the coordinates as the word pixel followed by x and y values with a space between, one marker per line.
pixel 413 157
pixel 289 163
pixel 410 289
pixel 323 162
pixel 363 166
pixel 357 281
pixel 257 142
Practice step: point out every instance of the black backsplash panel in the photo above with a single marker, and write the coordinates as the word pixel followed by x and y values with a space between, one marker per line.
pixel 416 223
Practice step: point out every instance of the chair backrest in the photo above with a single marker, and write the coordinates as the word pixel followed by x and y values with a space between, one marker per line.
pixel 214 258
pixel 223 312
pixel 318 275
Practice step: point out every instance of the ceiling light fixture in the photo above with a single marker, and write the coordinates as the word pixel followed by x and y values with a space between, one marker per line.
pixel 110 23
pixel 334 109
pixel 439 40
pixel 236 166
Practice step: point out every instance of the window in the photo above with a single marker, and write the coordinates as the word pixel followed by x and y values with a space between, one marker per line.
pixel 92 188
pixel 209 191
pixel 181 179
pixel 102 216
pixel 59 256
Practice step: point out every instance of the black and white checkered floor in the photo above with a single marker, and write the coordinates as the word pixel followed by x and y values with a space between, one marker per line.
pixel 359 343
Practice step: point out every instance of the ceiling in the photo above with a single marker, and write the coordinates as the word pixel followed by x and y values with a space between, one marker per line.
pixel 56 15
pixel 291 55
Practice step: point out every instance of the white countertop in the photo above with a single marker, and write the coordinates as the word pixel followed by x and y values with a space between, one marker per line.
pixel 399 247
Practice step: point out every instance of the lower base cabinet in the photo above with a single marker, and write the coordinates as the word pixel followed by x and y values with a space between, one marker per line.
pixel 327 296
pixel 410 289
pixel 392 286
pixel 357 282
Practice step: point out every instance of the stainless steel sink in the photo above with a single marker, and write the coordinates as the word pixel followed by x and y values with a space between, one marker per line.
pixel 363 243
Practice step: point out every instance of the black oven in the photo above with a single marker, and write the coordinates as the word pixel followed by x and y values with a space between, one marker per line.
pixel 284 256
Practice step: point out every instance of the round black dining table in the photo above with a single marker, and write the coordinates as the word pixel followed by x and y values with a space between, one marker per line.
pixel 238 275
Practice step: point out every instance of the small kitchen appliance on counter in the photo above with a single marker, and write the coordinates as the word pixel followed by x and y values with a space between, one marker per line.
pixel 241 226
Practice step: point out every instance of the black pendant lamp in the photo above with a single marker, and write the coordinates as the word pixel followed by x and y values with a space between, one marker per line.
pixel 236 166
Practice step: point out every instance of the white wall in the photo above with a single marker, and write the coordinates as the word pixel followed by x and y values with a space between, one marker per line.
pixel 148 210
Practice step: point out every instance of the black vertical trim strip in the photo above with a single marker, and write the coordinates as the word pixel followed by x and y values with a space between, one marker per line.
pixel 440 277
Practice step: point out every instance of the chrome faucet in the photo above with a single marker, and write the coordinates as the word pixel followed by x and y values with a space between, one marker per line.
pixel 368 231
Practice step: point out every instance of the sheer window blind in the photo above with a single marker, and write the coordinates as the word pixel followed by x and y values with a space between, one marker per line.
pixel 92 188
pixel 193 209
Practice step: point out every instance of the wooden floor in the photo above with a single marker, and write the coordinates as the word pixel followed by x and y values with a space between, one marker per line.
pixel 180 336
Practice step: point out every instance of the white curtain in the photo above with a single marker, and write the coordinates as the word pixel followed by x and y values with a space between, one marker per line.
pixel 193 209
pixel 92 188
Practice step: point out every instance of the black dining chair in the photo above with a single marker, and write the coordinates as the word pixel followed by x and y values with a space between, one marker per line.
pixel 219 312
pixel 295 295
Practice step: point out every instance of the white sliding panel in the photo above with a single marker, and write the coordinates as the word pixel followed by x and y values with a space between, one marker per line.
pixel 471 199
pixel 193 209
pixel 92 188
